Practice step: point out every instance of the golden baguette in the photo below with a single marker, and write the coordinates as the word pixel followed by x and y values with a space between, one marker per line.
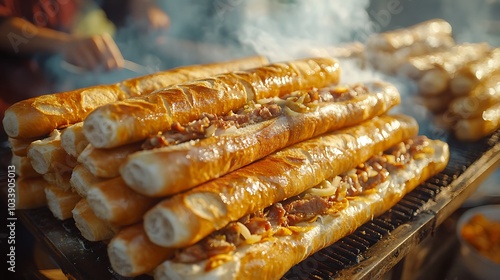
pixel 151 173
pixel 30 192
pixel 113 201
pixel 186 218
pixel 131 253
pixel 73 140
pixel 38 116
pixel 132 120
pixel 47 155
pixel 23 167
pixel 482 97
pixel 81 180
pixel 476 128
pixel 61 202
pixel 106 163
pixel 91 227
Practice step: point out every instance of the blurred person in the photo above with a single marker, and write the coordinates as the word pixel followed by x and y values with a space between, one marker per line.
pixel 32 31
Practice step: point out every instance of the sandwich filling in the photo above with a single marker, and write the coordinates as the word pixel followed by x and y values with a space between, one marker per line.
pixel 296 214
pixel 254 112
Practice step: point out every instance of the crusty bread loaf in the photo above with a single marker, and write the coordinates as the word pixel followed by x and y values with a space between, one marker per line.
pixel 273 257
pixel 81 180
pixel 152 173
pixel 113 201
pixel 404 37
pixel 47 155
pixel 23 167
pixel 476 128
pixel 19 147
pixel 73 140
pixel 474 73
pixel 91 227
pixel 135 119
pixel 61 202
pixel 105 163
pixel 185 218
pixel 38 116
pixel 482 97
pixel 450 60
pixel 30 192
pixel 131 253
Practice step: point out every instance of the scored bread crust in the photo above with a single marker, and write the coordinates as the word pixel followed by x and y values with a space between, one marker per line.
pixel 185 218
pixel 168 170
pixel 135 119
pixel 272 259
pixel 40 115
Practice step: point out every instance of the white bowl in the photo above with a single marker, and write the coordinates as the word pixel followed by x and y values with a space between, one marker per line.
pixel 480 266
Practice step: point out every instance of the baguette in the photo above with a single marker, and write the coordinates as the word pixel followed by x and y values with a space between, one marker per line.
pixel 30 193
pixel 116 203
pixel 135 119
pixel 434 71
pixel 268 253
pixel 105 163
pixel 81 180
pixel 476 128
pixel 90 226
pixel 186 218
pixel 61 202
pixel 38 116
pixel 23 167
pixel 59 180
pixel 19 147
pixel 151 172
pixel 482 97
pixel 73 140
pixel 405 37
pixel 390 61
pixel 131 253
pixel 474 73
pixel 47 155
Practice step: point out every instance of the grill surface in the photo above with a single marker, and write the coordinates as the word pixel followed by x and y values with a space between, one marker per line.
pixel 368 253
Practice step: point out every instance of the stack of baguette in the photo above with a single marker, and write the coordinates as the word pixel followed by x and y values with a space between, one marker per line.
pixel 170 175
pixel 458 83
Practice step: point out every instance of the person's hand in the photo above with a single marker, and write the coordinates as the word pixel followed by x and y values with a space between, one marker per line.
pixel 92 53
pixel 149 16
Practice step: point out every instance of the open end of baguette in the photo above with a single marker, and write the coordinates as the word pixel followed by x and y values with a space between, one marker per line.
pixel 99 130
pixel 119 259
pixel 163 227
pixel 142 177
pixel 53 204
pixel 68 142
pixel 82 225
pixel 11 124
pixel 99 204
pixel 40 158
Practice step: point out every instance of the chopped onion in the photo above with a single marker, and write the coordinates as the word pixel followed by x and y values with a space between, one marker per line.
pixel 210 131
pixel 326 188
pixel 232 129
pixel 245 232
